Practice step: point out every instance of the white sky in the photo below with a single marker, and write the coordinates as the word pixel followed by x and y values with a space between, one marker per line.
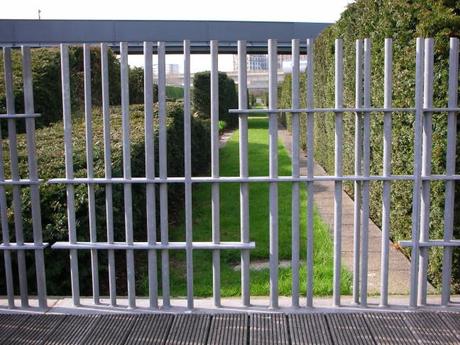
pixel 251 10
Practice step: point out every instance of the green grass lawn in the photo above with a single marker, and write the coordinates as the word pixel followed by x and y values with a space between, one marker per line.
pixel 259 228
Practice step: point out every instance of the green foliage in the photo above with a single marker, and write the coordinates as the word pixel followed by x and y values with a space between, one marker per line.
pixel 50 154
pixel 252 99
pixel 174 92
pixel 403 21
pixel 46 74
pixel 222 126
pixel 228 98
pixel 136 86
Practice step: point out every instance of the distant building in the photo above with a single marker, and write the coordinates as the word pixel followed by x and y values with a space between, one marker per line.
pixel 258 62
pixel 171 68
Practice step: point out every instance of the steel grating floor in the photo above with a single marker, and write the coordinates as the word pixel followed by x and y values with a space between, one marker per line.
pixel 234 329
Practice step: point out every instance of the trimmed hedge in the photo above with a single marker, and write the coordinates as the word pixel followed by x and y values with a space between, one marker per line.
pixel 228 97
pixel 136 86
pixel 46 74
pixel 50 154
pixel 174 92
pixel 403 21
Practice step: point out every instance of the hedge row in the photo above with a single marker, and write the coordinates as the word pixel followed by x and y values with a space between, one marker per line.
pixel 50 154
pixel 46 73
pixel 228 98
pixel 403 21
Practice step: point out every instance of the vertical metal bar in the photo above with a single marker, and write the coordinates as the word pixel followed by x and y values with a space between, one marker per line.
pixel 5 230
pixel 310 172
pixel 150 174
pixel 108 171
pixel 358 168
pixel 366 172
pixel 418 127
pixel 33 174
pixel 163 166
pixel 338 171
pixel 69 174
pixel 127 188
pixel 295 173
pixel 386 198
pixel 273 168
pixel 450 170
pixel 244 171
pixel 215 207
pixel 90 169
pixel 426 170
pixel 188 175
pixel 8 71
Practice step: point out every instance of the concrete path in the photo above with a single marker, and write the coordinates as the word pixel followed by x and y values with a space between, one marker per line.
pixel 324 201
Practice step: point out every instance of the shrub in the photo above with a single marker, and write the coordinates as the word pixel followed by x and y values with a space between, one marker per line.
pixel 174 92
pixel 50 154
pixel 403 21
pixel 46 74
pixel 136 86
pixel 228 98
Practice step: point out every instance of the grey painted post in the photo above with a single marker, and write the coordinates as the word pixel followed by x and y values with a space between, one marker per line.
pixel 418 127
pixel 450 170
pixel 90 169
pixel 127 187
pixel 215 188
pixel 310 171
pixel 150 174
pixel 163 166
pixel 358 168
pixel 386 198
pixel 366 171
pixel 426 170
pixel 244 171
pixel 338 171
pixel 5 230
pixel 273 168
pixel 12 145
pixel 33 174
pixel 69 174
pixel 188 175
pixel 295 173
pixel 108 171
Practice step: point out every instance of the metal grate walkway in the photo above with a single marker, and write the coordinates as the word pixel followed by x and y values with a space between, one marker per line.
pixel 234 329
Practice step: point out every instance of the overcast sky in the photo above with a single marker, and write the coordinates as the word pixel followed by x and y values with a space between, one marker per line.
pixel 253 10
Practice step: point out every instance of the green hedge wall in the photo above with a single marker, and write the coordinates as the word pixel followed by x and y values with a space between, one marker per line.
pixel 136 86
pixel 46 74
pixel 50 153
pixel 403 21
pixel 174 92
pixel 228 97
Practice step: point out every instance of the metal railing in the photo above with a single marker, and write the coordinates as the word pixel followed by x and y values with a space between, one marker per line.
pixel 363 109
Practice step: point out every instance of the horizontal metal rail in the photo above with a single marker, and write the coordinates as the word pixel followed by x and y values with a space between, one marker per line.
pixel 23 246
pixel 19 116
pixel 39 33
pixel 340 110
pixel 250 179
pixel 156 245
pixel 21 182
pixel 431 243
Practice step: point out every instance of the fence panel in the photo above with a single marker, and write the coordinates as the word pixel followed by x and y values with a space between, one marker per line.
pixel 159 181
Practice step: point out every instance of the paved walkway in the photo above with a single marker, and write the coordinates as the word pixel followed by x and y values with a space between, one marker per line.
pixel 324 201
pixel 232 329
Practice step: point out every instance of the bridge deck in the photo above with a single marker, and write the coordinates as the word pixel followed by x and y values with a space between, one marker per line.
pixel 235 329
